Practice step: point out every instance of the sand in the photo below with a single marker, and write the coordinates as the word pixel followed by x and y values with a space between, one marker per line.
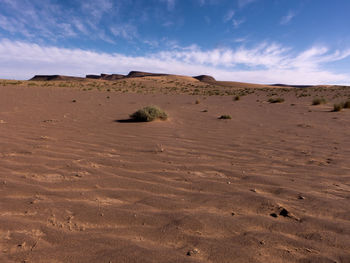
pixel 77 184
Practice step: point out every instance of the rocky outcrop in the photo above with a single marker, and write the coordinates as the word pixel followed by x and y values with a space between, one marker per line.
pixel 137 74
pixel 205 78
pixel 54 77
pixel 106 76
pixel 132 74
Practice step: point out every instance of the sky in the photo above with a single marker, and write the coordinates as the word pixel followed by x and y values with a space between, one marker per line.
pixel 258 41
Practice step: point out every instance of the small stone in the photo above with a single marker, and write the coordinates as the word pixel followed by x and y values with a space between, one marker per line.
pixel 233 213
pixel 273 215
pixel 192 252
pixel 284 212
pixel 301 197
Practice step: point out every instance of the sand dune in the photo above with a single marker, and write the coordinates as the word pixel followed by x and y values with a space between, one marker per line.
pixel 269 185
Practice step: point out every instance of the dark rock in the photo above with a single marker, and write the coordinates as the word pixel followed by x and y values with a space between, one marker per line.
pixel 93 76
pixel 284 212
pixel 137 74
pixel 205 78
pixel 112 76
pixel 54 77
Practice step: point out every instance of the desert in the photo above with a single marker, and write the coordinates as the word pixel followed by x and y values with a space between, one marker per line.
pixel 82 182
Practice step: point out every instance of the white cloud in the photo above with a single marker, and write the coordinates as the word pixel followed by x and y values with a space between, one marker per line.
pixel 287 18
pixel 266 63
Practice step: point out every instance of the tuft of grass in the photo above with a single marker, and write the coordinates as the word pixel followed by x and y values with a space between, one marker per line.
pixel 149 113
pixel 276 100
pixel 225 117
pixel 338 106
pixel 318 101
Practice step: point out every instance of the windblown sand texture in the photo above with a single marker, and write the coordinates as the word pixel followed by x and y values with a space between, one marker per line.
pixel 79 184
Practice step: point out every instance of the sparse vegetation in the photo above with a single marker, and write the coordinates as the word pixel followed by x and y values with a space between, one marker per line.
pixel 149 113
pixel 225 117
pixel 276 100
pixel 318 101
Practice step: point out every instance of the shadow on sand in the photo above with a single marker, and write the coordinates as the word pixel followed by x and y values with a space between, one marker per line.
pixel 128 121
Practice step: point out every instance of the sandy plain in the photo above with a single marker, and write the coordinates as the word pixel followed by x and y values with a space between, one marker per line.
pixel 79 184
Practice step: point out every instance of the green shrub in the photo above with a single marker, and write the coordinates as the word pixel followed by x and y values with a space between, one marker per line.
pixel 276 100
pixel 149 113
pixel 225 117
pixel 318 101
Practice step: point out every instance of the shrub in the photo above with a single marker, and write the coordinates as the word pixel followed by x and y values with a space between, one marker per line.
pixel 225 117
pixel 338 107
pixel 318 101
pixel 236 98
pixel 149 113
pixel 346 104
pixel 276 100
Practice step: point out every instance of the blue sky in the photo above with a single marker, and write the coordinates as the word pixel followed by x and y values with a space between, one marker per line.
pixel 261 41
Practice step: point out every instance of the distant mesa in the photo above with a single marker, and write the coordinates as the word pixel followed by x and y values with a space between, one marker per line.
pixel 137 74
pixel 205 78
pixel 54 77
pixel 105 76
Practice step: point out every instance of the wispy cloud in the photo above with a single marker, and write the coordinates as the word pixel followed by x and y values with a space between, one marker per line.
pixel 237 22
pixel 287 18
pixel 96 8
pixel 170 3
pixel 229 15
pixel 126 31
pixel 243 3
pixel 266 63
pixel 46 20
